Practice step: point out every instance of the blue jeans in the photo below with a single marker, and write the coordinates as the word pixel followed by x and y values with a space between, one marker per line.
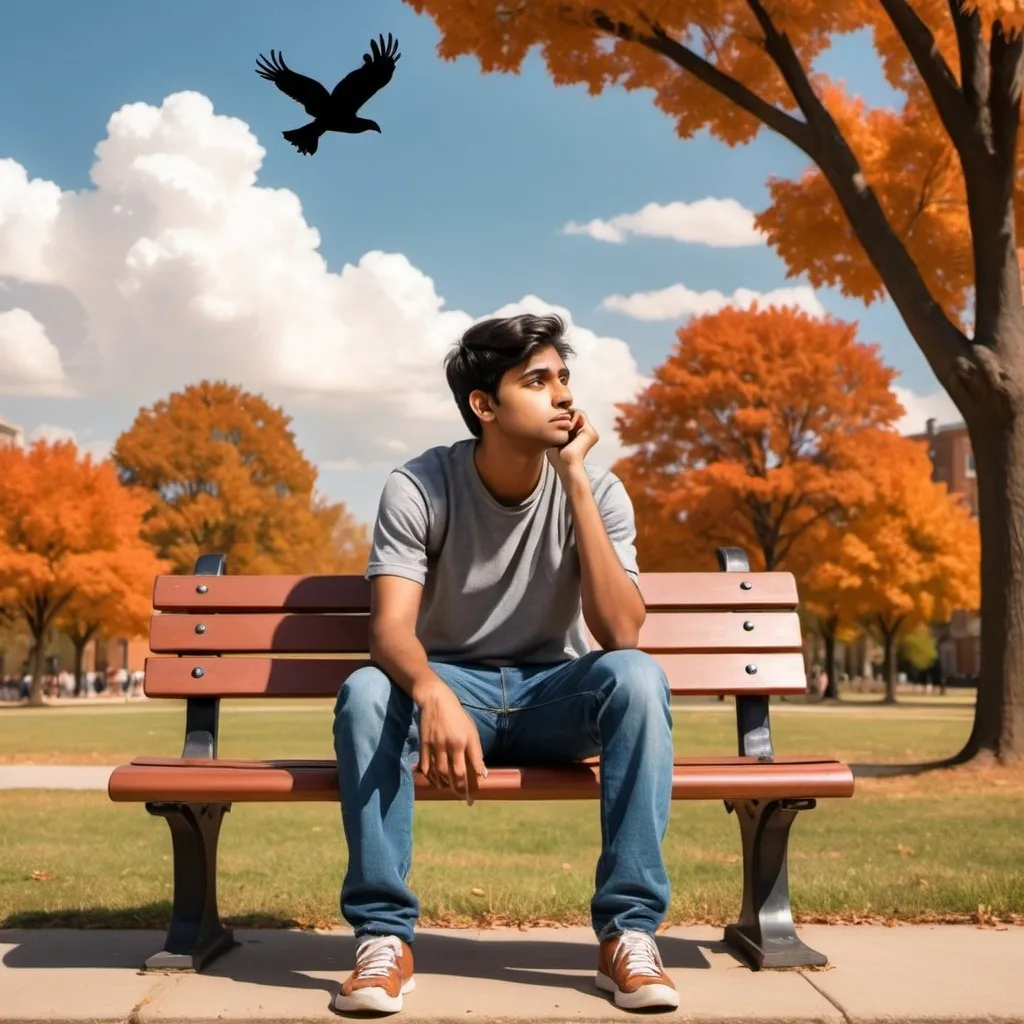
pixel 612 703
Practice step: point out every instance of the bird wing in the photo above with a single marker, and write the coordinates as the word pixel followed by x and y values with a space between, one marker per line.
pixel 376 71
pixel 307 91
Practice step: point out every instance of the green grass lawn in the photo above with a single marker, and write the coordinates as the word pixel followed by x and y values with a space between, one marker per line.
pixel 876 856
pixel 114 733
pixel 935 847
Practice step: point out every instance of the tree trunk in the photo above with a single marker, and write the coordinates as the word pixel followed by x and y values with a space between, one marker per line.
pixel 828 634
pixel 79 645
pixel 889 663
pixel 79 639
pixel 35 695
pixel 998 732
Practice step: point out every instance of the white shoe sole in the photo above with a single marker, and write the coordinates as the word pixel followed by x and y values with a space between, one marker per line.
pixel 372 998
pixel 645 996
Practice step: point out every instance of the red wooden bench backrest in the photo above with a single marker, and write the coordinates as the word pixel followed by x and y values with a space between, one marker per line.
pixel 273 636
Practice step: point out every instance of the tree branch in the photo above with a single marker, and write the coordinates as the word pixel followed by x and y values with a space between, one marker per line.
pixel 949 100
pixel 974 73
pixel 787 540
pixel 924 200
pixel 1006 60
pixel 786 125
pixel 942 343
pixel 780 49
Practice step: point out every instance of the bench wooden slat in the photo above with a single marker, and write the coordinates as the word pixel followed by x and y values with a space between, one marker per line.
pixel 319 633
pixel 688 675
pixel 661 590
pixel 693 779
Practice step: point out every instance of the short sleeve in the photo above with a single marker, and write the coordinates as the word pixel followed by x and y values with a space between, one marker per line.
pixel 620 525
pixel 399 546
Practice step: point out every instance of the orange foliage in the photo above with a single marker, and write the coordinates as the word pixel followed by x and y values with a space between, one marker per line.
pixel 222 473
pixel 906 156
pixel 754 433
pixel 121 608
pixel 830 589
pixel 69 540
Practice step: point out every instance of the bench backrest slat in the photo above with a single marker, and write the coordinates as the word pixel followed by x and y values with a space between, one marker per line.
pixel 321 633
pixel 688 675
pixel 663 591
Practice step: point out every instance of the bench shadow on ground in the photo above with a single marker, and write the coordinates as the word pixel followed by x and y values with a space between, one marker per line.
pixel 281 957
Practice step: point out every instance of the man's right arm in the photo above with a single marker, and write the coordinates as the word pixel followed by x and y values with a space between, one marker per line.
pixel 449 747
pixel 450 751
pixel 394 607
pixel 397 571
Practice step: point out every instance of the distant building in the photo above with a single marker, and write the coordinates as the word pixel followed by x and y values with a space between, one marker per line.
pixel 949 448
pixel 11 435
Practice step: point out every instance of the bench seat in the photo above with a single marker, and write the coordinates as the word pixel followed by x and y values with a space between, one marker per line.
pixel 200 780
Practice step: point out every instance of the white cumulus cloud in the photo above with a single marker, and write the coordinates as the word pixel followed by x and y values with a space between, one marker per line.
pixel 184 267
pixel 30 363
pixel 28 210
pixel 722 223
pixel 678 301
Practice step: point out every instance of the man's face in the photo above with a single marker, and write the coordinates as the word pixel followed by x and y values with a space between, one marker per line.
pixel 534 401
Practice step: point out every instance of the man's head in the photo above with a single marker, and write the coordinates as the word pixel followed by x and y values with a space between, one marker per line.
pixel 509 373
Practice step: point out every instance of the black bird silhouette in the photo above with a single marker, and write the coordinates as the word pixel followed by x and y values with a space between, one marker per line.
pixel 333 111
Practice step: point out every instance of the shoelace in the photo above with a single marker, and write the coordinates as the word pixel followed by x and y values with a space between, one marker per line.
pixel 377 958
pixel 641 953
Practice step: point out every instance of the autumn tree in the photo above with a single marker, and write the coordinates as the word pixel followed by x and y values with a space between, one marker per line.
pixel 753 432
pixel 222 473
pixel 69 536
pixel 111 603
pixel 912 554
pixel 921 203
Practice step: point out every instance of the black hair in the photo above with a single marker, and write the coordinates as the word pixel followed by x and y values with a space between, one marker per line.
pixel 489 349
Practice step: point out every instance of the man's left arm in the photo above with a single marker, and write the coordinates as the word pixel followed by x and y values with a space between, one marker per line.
pixel 613 607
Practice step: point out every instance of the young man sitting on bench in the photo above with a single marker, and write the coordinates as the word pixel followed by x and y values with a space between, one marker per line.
pixel 488 557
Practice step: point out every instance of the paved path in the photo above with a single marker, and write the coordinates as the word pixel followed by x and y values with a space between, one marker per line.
pixel 54 776
pixel 913 973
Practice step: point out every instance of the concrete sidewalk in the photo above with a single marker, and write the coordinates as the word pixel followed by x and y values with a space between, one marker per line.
pixel 912 973
pixel 55 776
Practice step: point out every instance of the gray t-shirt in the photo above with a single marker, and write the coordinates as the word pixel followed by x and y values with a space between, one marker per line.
pixel 501 583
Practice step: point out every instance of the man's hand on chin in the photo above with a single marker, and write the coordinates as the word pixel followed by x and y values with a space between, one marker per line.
pixel 568 460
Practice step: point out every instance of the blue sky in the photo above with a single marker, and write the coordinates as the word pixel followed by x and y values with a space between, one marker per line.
pixel 472 181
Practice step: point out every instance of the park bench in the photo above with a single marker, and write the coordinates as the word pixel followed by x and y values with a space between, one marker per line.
pixel 734 633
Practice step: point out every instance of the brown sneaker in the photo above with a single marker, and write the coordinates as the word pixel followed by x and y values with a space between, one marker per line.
pixel 383 974
pixel 630 965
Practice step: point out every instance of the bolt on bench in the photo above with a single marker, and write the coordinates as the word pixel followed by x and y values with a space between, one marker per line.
pixel 732 633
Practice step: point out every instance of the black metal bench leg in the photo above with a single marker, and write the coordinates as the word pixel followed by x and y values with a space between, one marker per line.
pixel 764 934
pixel 195 935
